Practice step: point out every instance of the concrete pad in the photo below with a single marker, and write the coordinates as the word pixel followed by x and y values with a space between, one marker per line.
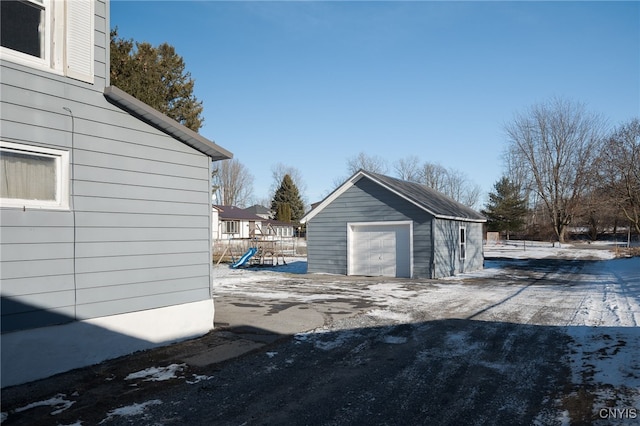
pixel 223 352
pixel 230 312
pixel 292 320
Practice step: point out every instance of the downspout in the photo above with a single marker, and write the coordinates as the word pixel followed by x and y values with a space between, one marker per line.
pixel 72 205
pixel 210 232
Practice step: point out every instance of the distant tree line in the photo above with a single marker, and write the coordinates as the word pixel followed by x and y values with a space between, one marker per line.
pixel 566 169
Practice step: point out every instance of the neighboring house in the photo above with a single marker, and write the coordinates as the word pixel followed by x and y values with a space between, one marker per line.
pixel 105 204
pixel 234 222
pixel 259 210
pixel 377 225
pixel 276 228
pixel 272 227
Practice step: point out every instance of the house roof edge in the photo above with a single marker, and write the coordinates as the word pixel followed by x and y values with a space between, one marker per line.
pixel 166 124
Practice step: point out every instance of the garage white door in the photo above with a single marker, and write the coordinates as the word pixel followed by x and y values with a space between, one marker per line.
pixel 380 249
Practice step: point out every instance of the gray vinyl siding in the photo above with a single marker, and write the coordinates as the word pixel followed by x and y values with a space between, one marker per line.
pixel 139 222
pixel 447 247
pixel 364 202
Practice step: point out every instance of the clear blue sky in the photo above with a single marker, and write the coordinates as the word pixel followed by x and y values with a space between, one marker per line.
pixel 311 84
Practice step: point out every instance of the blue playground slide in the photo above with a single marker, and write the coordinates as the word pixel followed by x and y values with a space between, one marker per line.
pixel 245 257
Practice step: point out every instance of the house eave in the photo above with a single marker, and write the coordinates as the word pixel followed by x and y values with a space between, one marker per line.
pixel 160 121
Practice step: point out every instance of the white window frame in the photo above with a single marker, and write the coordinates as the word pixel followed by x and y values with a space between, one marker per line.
pixel 66 35
pixel 462 240
pixel 233 224
pixel 53 34
pixel 62 177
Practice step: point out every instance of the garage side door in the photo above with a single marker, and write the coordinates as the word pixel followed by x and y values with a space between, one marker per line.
pixel 380 250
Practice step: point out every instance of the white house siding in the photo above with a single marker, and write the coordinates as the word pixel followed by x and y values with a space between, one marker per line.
pixel 139 222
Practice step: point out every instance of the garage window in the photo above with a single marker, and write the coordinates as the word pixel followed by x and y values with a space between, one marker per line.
pixel 463 243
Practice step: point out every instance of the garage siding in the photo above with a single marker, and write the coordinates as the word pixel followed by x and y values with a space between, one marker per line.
pixel 365 201
pixel 447 247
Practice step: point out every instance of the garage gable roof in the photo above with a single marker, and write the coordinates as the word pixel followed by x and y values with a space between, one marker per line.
pixel 168 125
pixel 422 196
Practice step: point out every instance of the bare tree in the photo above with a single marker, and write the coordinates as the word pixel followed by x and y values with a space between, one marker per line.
pixel 451 182
pixel 558 142
pixel 370 163
pixel 620 170
pixel 434 176
pixel 518 173
pixel 233 183
pixel 408 168
pixel 460 188
pixel 597 212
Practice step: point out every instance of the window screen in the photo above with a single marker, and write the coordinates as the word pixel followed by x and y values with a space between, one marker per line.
pixel 22 27
pixel 28 176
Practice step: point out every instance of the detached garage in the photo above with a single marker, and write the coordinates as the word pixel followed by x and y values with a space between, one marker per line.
pixel 376 225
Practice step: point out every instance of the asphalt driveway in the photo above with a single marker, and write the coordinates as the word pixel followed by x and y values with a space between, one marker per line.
pixel 542 341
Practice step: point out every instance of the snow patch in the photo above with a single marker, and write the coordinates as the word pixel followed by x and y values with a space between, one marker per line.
pixel 340 338
pixel 157 374
pixel 58 402
pixel 386 314
pixel 197 378
pixel 131 410
pixel 541 250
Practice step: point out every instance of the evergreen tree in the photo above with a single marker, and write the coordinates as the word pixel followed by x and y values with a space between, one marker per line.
pixel 284 212
pixel 287 194
pixel 506 208
pixel 157 77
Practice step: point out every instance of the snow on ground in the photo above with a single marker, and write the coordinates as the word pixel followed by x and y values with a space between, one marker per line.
pixel 600 311
pixel 542 249
pixel 599 306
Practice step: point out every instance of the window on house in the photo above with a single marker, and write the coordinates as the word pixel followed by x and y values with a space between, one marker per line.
pixel 463 242
pixel 232 227
pixel 23 26
pixel 33 176
pixel 54 35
